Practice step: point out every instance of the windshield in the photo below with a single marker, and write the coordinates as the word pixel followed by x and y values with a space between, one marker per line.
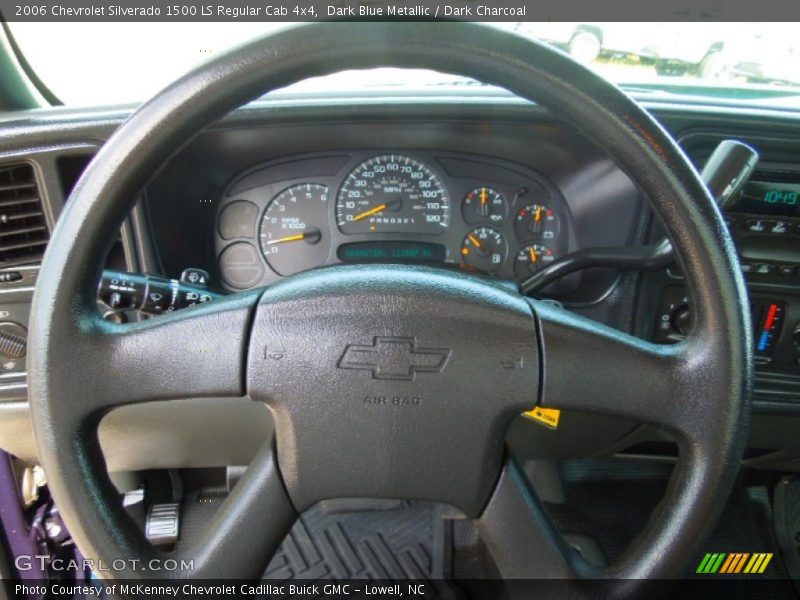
pixel 116 63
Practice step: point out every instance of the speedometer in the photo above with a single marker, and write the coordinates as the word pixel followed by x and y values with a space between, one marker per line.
pixel 392 194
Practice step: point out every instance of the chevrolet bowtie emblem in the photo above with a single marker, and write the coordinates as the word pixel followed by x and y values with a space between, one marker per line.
pixel 394 358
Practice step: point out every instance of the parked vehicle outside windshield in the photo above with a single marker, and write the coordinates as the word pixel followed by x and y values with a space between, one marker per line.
pixel 115 63
pixel 734 52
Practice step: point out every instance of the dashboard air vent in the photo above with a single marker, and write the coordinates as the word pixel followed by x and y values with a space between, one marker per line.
pixel 23 229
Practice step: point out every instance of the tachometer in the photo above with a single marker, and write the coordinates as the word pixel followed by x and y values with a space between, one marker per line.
pixel 293 229
pixel 392 194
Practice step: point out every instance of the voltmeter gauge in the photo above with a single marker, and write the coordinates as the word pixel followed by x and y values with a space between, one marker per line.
pixel 536 222
pixel 484 205
pixel 483 249
pixel 530 259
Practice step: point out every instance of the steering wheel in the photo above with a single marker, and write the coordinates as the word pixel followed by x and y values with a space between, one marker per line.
pixel 390 381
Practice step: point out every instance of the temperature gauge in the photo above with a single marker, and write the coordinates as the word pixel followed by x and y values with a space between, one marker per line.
pixel 483 249
pixel 536 222
pixel 484 204
pixel 532 258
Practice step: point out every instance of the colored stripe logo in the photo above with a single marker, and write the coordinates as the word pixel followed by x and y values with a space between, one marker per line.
pixel 734 563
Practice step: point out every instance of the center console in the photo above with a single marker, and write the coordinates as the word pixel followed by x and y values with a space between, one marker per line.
pixel 765 225
pixel 764 221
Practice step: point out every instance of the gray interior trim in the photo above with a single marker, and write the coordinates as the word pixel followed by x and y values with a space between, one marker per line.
pixel 192 433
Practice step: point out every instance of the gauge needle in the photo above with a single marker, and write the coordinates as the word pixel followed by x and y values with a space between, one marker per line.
pixel 538 215
pixel 391 205
pixel 483 196
pixel 288 238
pixel 370 212
pixel 533 255
pixel 312 236
pixel 474 240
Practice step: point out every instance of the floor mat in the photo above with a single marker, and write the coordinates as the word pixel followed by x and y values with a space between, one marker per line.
pixel 609 500
pixel 410 541
pixel 354 539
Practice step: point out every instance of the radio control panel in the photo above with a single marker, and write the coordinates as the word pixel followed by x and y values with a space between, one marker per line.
pixel 765 226
pixel 769 248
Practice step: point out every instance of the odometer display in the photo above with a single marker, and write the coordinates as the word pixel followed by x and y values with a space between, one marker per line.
pixel 391 252
pixel 392 194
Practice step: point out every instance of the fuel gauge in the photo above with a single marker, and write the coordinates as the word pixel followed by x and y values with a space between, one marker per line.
pixel 530 259
pixel 484 204
pixel 483 249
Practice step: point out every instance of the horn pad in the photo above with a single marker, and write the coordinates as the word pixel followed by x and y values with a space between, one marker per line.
pixel 392 382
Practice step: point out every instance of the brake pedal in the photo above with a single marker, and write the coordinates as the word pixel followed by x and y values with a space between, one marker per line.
pixel 163 523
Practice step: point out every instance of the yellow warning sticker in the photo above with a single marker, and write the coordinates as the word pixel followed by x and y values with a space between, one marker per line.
pixel 546 416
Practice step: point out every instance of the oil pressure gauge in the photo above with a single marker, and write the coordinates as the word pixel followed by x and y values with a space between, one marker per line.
pixel 483 249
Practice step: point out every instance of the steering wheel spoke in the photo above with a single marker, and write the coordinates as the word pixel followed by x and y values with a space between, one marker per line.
pixel 520 536
pixel 582 358
pixel 529 551
pixel 238 541
pixel 247 529
pixel 195 352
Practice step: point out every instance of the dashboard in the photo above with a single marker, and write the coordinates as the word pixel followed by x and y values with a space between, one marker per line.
pixel 277 189
pixel 486 216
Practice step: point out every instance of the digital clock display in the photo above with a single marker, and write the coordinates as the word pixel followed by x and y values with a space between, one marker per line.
pixel 391 252
pixel 759 197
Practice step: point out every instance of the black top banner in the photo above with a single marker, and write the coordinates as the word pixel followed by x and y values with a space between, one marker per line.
pixel 470 10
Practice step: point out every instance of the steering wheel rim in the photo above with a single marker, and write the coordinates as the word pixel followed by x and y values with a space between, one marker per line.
pixel 698 389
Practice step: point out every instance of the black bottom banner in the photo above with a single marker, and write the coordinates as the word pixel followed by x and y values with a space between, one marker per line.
pixel 706 588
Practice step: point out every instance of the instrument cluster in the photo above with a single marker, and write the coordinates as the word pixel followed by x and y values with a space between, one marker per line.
pixel 462 211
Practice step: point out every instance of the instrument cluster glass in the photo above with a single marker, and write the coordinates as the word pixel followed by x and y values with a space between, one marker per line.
pixel 460 211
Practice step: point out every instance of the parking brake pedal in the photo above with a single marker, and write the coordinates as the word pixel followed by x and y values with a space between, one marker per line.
pixel 163 524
